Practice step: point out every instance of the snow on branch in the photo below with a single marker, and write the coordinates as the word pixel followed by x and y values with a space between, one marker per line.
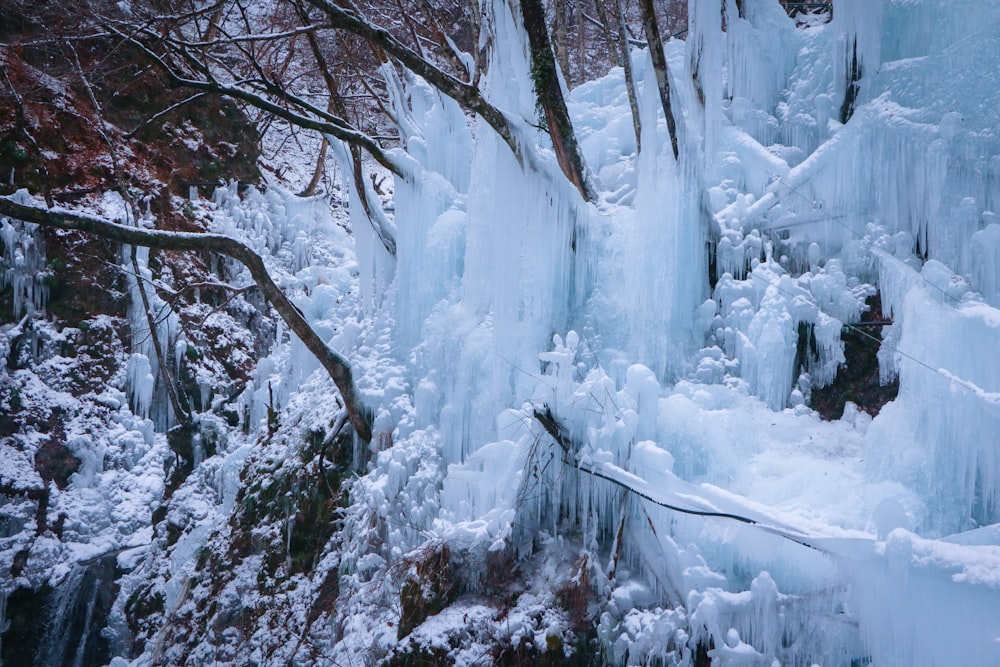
pixel 643 489
pixel 335 364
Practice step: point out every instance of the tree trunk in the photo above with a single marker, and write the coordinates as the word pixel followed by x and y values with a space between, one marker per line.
pixel 660 67
pixel 335 364
pixel 559 38
pixel 310 189
pixel 548 92
pixel 626 57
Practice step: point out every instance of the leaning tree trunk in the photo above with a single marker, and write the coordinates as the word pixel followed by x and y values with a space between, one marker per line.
pixel 335 364
pixel 548 92
pixel 626 58
pixel 659 67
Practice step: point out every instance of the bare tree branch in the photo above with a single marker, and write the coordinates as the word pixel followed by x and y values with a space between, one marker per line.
pixel 465 94
pixel 335 364
pixel 21 123
pixel 336 105
pixel 318 119
pixel 253 37
pixel 164 112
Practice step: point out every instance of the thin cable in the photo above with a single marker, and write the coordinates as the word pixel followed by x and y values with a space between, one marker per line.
pixel 954 379
pixel 590 470
pixel 795 190
pixel 558 433
pixel 951 377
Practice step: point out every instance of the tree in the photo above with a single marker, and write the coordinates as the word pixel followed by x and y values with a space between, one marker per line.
pixel 335 364
pixel 212 58
pixel 548 91
pixel 652 29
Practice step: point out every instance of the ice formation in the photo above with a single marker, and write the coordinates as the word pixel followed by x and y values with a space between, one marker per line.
pixel 23 269
pixel 832 167
pixel 670 334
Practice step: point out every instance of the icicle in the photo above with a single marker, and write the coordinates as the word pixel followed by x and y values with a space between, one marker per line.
pixel 140 382
pixel 23 266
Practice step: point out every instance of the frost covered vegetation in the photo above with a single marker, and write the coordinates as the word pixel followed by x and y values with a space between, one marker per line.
pixel 733 408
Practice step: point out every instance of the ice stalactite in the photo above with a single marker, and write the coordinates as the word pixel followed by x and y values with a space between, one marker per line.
pixel 431 245
pixel 377 268
pixel 857 51
pixel 985 260
pixel 758 63
pixel 140 382
pixel 761 322
pixel 928 602
pixel 23 264
pixel 486 263
pixel 706 56
pixel 665 259
pixel 145 385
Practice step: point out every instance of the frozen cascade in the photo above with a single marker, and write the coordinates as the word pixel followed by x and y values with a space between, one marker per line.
pixel 666 252
pixel 144 384
pixel 799 223
pixel 928 602
pixel 943 453
pixel 985 253
pixel 430 246
pixel 62 609
pixel 508 295
pixel 77 609
pixel 759 62
pixel 474 213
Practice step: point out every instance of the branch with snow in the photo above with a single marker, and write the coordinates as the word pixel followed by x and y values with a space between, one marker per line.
pixel 335 364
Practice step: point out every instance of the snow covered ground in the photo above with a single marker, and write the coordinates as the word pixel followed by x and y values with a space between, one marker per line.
pixel 511 302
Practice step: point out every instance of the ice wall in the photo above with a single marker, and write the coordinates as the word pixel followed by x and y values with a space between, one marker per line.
pixel 486 265
pixel 664 258
pixel 935 436
pixel 927 602
pixel 663 378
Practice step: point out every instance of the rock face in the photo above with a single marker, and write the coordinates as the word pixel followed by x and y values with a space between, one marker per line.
pixel 858 379
pixel 82 472
pixel 65 624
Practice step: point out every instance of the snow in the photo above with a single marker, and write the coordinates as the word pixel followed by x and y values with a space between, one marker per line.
pixel 746 522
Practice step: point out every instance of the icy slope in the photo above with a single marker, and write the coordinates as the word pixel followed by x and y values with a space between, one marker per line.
pixel 814 205
pixel 684 376
pixel 593 433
